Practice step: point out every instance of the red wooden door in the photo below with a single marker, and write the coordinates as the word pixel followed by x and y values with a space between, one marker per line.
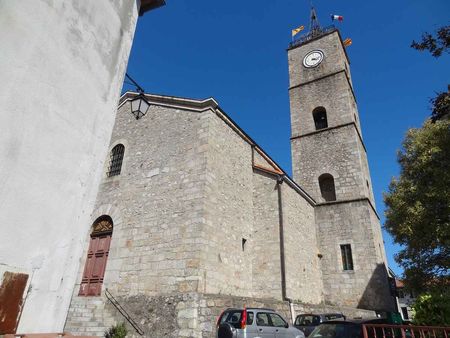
pixel 11 300
pixel 94 270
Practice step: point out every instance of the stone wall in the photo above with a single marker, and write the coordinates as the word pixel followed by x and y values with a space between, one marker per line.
pixel 336 152
pixel 339 104
pixel 186 198
pixel 266 238
pixel 366 286
pixel 158 202
pixel 228 208
pixel 180 315
pixel 303 274
pixel 335 59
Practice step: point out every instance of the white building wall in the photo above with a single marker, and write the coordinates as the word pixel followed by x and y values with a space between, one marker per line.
pixel 62 65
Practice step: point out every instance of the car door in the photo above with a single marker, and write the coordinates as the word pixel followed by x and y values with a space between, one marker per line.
pixel 264 328
pixel 280 325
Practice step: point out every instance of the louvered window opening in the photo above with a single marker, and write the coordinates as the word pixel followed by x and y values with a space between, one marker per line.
pixel 320 118
pixel 347 259
pixel 327 189
pixel 116 160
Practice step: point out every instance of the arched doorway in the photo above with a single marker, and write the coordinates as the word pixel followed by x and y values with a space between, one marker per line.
pixel 94 268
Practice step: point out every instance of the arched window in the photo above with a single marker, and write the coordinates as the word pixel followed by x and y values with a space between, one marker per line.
pixel 320 118
pixel 116 159
pixel 94 268
pixel 326 183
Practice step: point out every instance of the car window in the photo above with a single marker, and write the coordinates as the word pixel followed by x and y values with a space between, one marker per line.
pixel 250 316
pixel 306 320
pixel 277 320
pixel 316 320
pixel 262 319
pixel 232 317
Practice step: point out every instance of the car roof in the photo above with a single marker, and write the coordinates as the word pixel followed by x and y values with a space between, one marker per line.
pixel 321 314
pixel 357 321
pixel 250 308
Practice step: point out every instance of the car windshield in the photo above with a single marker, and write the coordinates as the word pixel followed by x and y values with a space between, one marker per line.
pixel 334 330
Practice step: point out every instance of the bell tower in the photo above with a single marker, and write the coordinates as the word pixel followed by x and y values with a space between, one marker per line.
pixel 329 161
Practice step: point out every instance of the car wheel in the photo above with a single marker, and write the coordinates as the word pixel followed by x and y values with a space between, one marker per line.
pixel 226 330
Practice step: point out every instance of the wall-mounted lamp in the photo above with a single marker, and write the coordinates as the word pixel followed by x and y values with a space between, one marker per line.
pixel 139 105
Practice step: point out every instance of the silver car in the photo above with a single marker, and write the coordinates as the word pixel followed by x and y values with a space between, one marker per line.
pixel 254 323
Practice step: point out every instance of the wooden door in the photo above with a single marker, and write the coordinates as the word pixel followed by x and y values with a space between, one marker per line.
pixel 11 300
pixel 94 270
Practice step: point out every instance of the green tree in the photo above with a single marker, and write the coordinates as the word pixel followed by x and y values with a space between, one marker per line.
pixel 436 45
pixel 432 309
pixel 440 106
pixel 117 331
pixel 418 206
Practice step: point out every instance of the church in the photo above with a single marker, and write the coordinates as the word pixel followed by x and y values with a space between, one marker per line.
pixel 193 216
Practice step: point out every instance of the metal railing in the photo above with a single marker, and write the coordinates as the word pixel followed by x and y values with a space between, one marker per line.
pixel 123 312
pixel 404 331
pixel 311 35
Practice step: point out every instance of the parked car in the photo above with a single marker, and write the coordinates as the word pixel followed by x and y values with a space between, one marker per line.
pixel 254 323
pixel 307 322
pixel 348 329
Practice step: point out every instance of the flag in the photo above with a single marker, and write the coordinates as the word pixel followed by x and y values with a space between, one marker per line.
pixel 297 30
pixel 337 17
pixel 347 42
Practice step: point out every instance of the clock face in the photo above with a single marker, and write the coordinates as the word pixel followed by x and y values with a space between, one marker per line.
pixel 313 58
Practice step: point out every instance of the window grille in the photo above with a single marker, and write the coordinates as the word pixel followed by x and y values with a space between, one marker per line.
pixel 320 118
pixel 327 189
pixel 115 164
pixel 347 259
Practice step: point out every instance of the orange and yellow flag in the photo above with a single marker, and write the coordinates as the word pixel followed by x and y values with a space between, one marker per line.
pixel 297 30
pixel 347 42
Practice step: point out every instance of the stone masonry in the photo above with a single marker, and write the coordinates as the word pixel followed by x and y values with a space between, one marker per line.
pixel 204 219
pixel 337 150
pixel 196 211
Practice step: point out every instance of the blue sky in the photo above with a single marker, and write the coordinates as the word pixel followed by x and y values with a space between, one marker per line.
pixel 235 51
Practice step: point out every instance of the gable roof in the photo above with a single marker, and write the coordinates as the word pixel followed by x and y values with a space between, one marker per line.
pixel 212 104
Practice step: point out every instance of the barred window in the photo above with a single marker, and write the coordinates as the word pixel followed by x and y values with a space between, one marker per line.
pixel 320 118
pixel 327 189
pixel 115 164
pixel 347 259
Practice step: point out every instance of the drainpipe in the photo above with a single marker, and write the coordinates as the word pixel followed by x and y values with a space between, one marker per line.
pixel 280 180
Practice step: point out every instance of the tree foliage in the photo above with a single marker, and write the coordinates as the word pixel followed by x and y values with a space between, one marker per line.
pixel 117 331
pixel 432 309
pixel 440 106
pixel 418 206
pixel 435 45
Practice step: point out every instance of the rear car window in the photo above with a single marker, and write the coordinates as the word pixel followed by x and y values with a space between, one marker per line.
pixel 232 317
